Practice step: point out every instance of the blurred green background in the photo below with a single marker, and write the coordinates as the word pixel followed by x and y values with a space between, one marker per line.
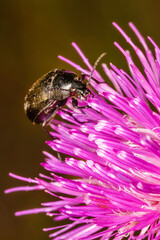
pixel 33 33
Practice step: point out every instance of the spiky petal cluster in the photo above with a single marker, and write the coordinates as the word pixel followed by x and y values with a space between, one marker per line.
pixel 113 157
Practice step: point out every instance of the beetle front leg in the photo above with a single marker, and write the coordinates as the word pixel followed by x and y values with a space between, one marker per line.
pixel 75 104
pixel 70 114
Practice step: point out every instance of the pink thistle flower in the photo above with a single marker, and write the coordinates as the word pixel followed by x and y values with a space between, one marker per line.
pixel 113 157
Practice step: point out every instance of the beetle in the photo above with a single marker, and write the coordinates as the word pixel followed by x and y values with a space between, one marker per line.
pixel 52 91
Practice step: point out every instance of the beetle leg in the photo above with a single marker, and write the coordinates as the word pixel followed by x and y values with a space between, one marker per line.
pixel 70 114
pixel 49 119
pixel 75 104
pixel 47 132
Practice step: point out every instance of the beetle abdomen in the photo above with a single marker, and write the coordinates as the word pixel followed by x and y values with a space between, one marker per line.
pixel 39 95
pixel 34 105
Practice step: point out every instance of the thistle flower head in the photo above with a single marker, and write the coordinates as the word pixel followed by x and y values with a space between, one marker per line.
pixel 113 150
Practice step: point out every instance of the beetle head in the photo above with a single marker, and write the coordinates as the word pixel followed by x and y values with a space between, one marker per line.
pixel 83 94
pixel 79 88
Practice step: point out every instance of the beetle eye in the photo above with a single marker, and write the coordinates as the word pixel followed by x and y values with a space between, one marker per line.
pixel 73 89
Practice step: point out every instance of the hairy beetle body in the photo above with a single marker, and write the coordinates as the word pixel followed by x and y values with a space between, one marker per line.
pixel 52 91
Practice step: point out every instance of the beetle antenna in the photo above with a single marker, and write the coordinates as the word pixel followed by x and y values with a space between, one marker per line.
pixel 95 65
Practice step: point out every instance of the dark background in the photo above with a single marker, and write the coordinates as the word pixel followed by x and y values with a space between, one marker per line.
pixel 33 33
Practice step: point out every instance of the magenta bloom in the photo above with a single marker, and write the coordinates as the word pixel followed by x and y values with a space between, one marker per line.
pixel 113 157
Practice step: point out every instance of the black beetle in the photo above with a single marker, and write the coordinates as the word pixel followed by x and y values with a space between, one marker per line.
pixel 52 91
